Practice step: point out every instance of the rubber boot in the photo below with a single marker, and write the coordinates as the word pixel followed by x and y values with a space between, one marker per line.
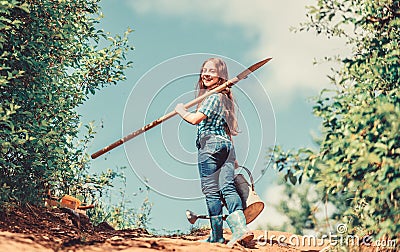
pixel 216 230
pixel 240 232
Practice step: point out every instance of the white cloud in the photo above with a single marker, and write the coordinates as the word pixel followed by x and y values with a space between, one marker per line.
pixel 268 23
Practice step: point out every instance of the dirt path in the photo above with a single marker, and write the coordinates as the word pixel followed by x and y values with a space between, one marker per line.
pixel 41 229
pixel 127 242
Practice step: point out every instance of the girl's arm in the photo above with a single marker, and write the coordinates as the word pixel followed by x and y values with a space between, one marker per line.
pixel 193 118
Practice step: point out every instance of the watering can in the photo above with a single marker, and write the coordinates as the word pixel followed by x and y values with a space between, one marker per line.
pixel 252 204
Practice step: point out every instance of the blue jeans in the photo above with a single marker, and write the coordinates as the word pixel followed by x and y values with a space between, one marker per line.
pixel 216 157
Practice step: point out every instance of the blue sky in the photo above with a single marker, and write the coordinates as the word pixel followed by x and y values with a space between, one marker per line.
pixel 171 39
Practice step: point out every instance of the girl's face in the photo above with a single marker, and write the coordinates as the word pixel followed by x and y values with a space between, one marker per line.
pixel 209 74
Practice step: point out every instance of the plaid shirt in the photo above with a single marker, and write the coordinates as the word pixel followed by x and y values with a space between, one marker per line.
pixel 215 122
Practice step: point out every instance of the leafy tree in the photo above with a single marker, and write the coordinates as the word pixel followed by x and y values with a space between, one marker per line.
pixel 358 156
pixel 50 62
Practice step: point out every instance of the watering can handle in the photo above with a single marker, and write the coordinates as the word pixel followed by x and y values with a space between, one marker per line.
pixel 250 176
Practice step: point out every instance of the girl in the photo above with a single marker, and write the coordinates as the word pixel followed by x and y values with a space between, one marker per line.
pixel 216 124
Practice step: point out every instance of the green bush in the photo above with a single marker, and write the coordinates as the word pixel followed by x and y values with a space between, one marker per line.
pixel 50 62
pixel 358 158
pixel 116 209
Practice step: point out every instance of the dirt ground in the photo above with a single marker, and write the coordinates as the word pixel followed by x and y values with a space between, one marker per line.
pixel 41 229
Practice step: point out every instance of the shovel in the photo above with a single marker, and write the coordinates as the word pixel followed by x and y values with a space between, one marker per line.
pixel 227 84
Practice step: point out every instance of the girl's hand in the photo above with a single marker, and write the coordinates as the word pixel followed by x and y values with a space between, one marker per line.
pixel 236 164
pixel 193 118
pixel 180 109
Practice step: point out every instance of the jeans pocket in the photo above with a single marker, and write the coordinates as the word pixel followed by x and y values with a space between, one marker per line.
pixel 210 147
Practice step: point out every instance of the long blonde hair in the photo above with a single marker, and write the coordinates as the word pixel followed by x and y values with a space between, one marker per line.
pixel 227 96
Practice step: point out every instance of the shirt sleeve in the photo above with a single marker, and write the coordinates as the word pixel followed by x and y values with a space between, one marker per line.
pixel 209 105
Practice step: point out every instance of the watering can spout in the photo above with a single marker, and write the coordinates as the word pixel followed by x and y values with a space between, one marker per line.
pixel 191 216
